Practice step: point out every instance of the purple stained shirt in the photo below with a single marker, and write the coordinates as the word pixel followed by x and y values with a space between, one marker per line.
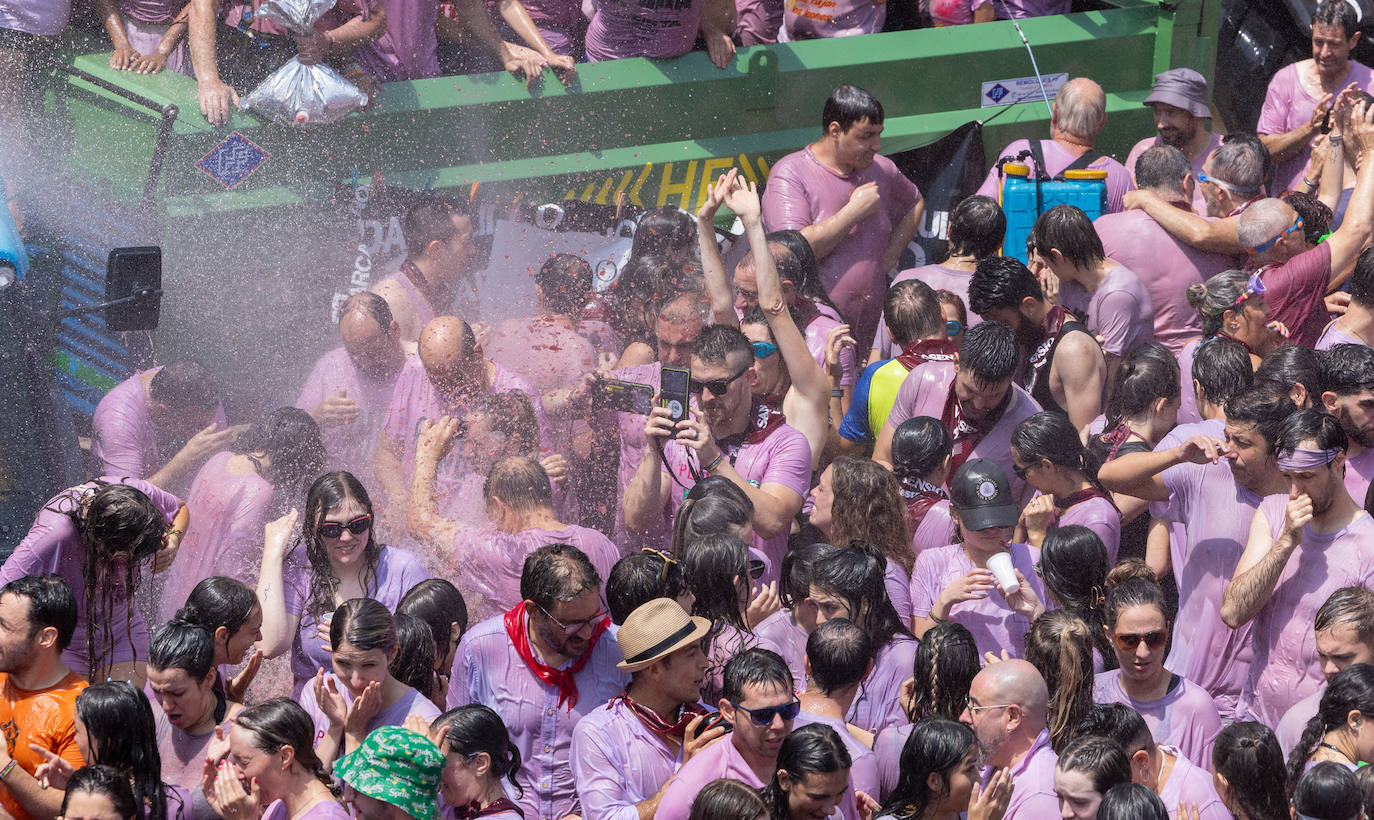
pixel 632 446
pixel 783 457
pixel 152 11
pixel 1199 202
pixel 618 761
pixel 788 639
pixel 1119 310
pixel 1333 335
pixel 183 760
pixel 419 305
pixel 898 585
pixel 1057 158
pixel 42 17
pixel 863 769
pixel 878 704
pixel 1032 782
pixel 1187 405
pixel 323 810
pixel 488 670
pixel 727 642
pixel 1186 717
pixel 487 562
pixel 54 545
pixel 935 530
pixel 1290 728
pixel 820 19
pixel 758 22
pixel 924 393
pixel 640 28
pixel 1190 783
pixel 404 51
pixel 938 277
pixel 397 571
pixel 802 191
pixel 1099 515
pixel 1359 471
pixel 228 513
pixel 993 623
pixel 558 21
pixel 411 702
pixel 1286 666
pixel 1288 105
pixel 1166 267
pixel 1296 294
pixel 888 749
pixel 817 331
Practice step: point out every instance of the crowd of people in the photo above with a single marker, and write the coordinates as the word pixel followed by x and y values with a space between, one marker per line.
pixel 799 538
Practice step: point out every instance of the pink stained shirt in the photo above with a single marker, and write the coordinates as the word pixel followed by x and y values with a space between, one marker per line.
pixel 542 351
pixel 898 584
pixel 993 623
pixel 350 446
pixel 406 48
pixel 1120 310
pixel 1165 266
pixel 819 19
pixel 632 447
pixel 1098 515
pixel 1296 294
pixel 878 704
pixel 410 703
pixel 1057 158
pixel 1199 202
pixel 1333 335
pixel 42 17
pixel 817 331
pixel 935 530
pixel 1286 667
pixel 727 642
pixel 863 769
pixel 887 746
pixel 938 277
pixel 487 562
pixel 1186 717
pixel 627 28
pixel 802 192
pixel 758 21
pixel 1187 405
pixel 1290 728
pixel 488 670
pixel 183 759
pixel 618 761
pixel 1359 471
pixel 228 513
pixel 1032 781
pixel 1288 105
pixel 924 393
pixel 788 639
pixel 1190 783
pixel 419 305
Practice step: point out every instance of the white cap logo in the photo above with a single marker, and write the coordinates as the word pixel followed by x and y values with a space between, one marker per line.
pixel 987 490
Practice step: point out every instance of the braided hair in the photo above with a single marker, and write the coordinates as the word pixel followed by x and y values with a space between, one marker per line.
pixel 946 662
pixel 1352 690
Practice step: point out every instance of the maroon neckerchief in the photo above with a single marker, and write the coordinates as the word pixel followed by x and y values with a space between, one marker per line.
pixel 1240 209
pixel 471 811
pixel 655 721
pixel 1074 499
pixel 516 621
pixel 968 433
pixel 1117 437
pixel 773 400
pixel 1231 338
pixel 765 420
pixel 927 350
pixel 412 272
pixel 920 495
pixel 1050 328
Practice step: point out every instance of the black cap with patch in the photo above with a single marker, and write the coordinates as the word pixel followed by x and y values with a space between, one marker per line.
pixel 982 495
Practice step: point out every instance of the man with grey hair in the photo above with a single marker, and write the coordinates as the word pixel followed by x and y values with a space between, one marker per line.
pixel 1179 101
pixel 1008 706
pixel 1344 632
pixel 1165 265
pixel 1078 116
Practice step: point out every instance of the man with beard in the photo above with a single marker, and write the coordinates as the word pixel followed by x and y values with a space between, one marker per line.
pixel 439 253
pixel 37 692
pixel 1231 178
pixel 1008 704
pixel 542 666
pixel 1346 374
pixel 1179 101
pixel 975 398
pixel 1302 548
pixel 1343 633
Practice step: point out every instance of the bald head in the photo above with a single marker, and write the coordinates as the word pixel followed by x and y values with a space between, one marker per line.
pixel 1263 221
pixel 1080 109
pixel 1016 682
pixel 448 353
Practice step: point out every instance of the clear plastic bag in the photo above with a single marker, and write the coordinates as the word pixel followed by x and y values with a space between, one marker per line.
pixel 297 93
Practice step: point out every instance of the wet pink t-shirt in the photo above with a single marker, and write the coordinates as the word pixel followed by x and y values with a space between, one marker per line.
pixel 1190 782
pixel 938 277
pixel 1057 158
pixel 42 17
pixel 1199 201
pixel 1287 105
pixel 1099 515
pixel 935 530
pixel 1333 335
pixel 1296 294
pixel 632 445
pixel 1032 795
pixel 817 331
pixel 789 640
pixel 878 706
pixel 758 21
pixel 802 192
pixel 1120 310
pixel 1185 717
pixel 991 620
pixel 1359 471
pixel 818 19
pixel 542 351
pixel 486 563
pixel 1187 406
pixel 642 28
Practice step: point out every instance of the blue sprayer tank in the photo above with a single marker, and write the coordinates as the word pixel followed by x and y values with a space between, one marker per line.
pixel 1025 197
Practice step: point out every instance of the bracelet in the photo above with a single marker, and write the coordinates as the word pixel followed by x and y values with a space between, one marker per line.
pixel 1335 139
pixel 177 531
pixel 836 393
pixel 710 468
pixel 1309 183
pixel 5 772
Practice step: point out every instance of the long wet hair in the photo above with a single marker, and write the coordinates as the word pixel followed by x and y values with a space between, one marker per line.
pixel 711 565
pixel 946 662
pixel 1050 436
pixel 797 568
pixel 1059 647
pixel 1148 373
pixel 855 576
pixel 935 746
pixel 868 507
pixel 1073 565
pixel 718 512
pixel 329 491
pixel 1328 791
pixel 439 604
pixel 281 722
pixel 727 799
pixel 119 723
pixel 1248 755
pixel 291 439
pixel 107 782
pixel 811 749
pixel 919 445
pixel 364 624
pixel 474 729
pixel 414 661
pixel 1351 690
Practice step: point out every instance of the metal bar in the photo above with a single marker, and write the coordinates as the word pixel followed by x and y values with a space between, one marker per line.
pixel 164 130
pixel 124 93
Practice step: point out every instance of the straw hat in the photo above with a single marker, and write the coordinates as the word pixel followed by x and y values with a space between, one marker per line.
pixel 657 628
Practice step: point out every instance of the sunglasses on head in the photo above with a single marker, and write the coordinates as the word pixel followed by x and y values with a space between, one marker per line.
pixel 756 568
pixel 1254 287
pixel 716 386
pixel 1264 246
pixel 953 327
pixel 333 529
pixel 763 350
pixel 1129 642
pixel 764 715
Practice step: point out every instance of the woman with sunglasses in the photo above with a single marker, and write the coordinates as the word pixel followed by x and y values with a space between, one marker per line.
pixel 1048 454
pixel 1180 714
pixel 335 558
pixel 721 578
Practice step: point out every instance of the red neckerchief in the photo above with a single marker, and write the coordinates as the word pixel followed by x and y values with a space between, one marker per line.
pixel 968 433
pixel 927 350
pixel 772 400
pixel 655 721
pixel 412 272
pixel 1117 437
pixel 1231 338
pixel 920 496
pixel 1040 357
pixel 1074 499
pixel 516 621
pixel 766 419
pixel 471 810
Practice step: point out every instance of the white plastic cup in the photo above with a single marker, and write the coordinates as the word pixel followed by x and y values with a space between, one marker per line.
pixel 1002 570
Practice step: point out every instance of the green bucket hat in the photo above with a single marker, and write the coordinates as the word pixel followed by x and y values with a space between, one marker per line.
pixel 397 766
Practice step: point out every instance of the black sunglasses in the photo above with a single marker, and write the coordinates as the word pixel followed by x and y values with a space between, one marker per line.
pixel 764 715
pixel 358 526
pixel 716 386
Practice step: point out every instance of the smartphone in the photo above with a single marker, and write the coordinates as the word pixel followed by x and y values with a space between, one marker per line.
pixel 627 397
pixel 672 391
pixel 713 719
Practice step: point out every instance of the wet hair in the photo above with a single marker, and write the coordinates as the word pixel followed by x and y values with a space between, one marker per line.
pixel 868 507
pixel 511 414
pixel 1364 776
pixel 717 512
pixel 429 219
pixel 1316 216
pixel 1222 369
pixel 121 732
pixel 989 352
pixel 1217 296
pixel 811 749
pixel 1101 759
pixel 1337 13
pixel 711 565
pixel 1134 592
pixel 1059 646
pixel 415 656
pixel 977 226
pixel 1131 801
pixel 219 601
pixel 727 799
pixel 439 604
pixel 1353 606
pixel 839 652
pixel 183 385
pixel 1067 229
pixel 1242 161
pixel 1362 282
pixel 557 573
pixel 1310 425
pixel 1247 754
pixel 912 312
pixel 1118 722
pixel 639 578
pixel 108 782
pixel 919 445
pixel 328 492
pixel 520 482
pixel 849 105
pixel 665 231
pixel 936 745
pixel 291 439
pixel 51 604
pixel 755 667
pixel 370 305
pixel 1351 690
pixel 715 343
pixel 1148 373
pixel 364 624
pixel 855 575
pixel 1291 364
pixel 1050 436
pixel 1345 369
pixel 1162 168
pixel 946 662
pixel 1073 566
pixel 180 644
pixel 1001 282
pixel 280 722
pixel 1328 791
pixel 796 262
pixel 1264 405
pixel 565 282
pixel 954 300
pixel 474 729
pixel 798 568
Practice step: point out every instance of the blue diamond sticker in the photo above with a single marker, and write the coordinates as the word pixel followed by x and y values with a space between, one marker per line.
pixel 997 92
pixel 233 160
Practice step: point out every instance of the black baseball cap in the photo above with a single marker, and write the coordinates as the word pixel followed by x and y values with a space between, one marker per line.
pixel 982 495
